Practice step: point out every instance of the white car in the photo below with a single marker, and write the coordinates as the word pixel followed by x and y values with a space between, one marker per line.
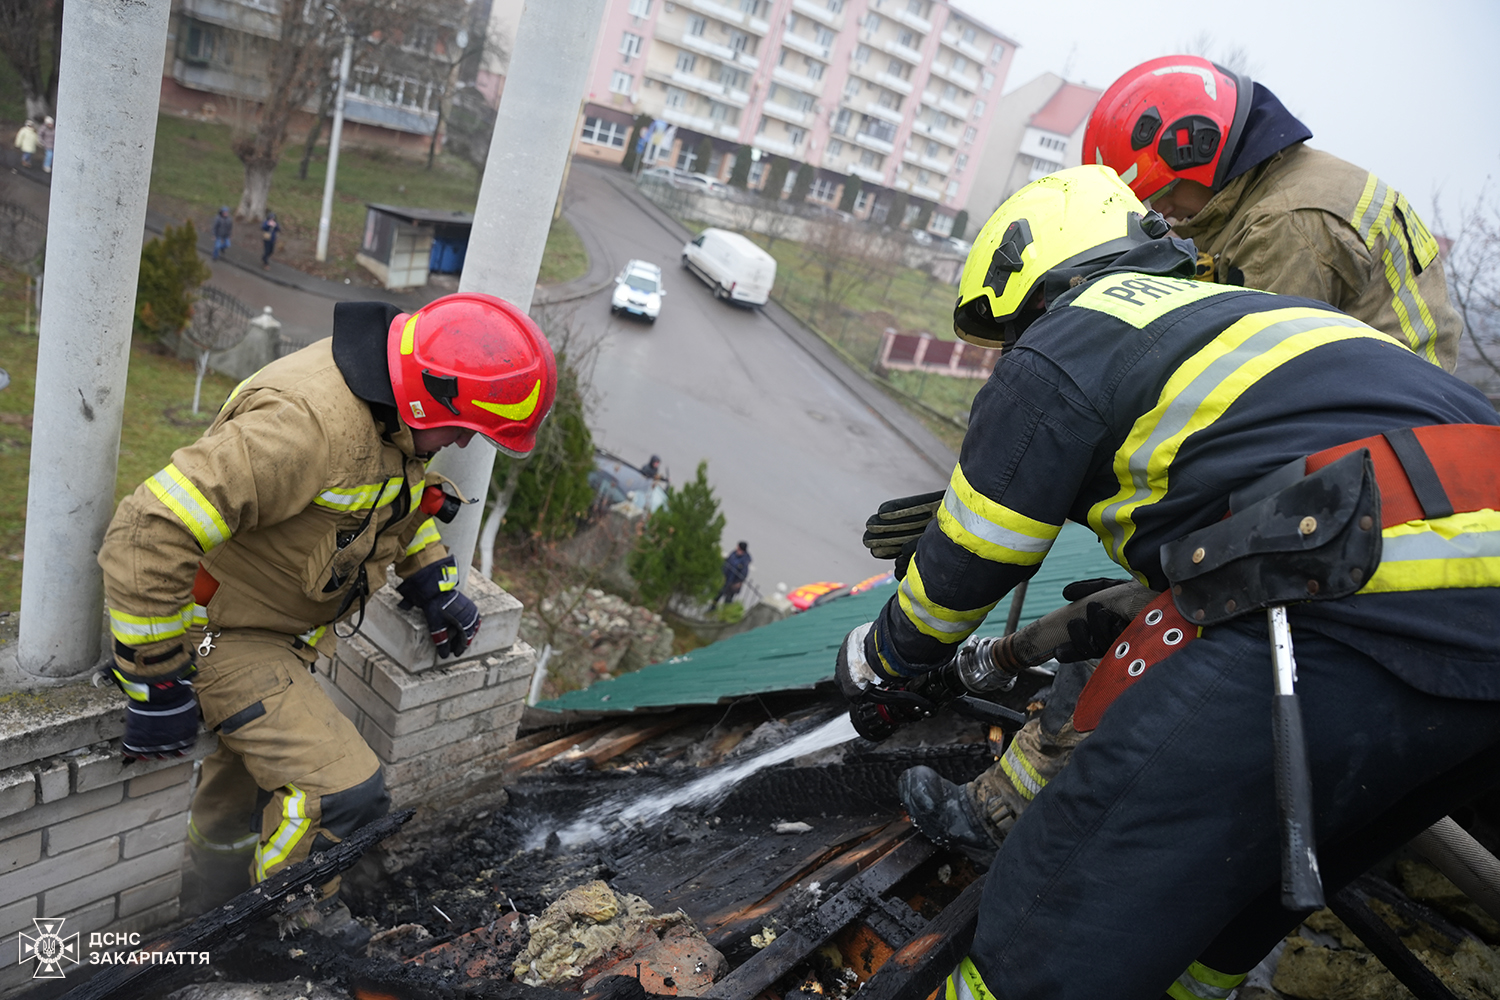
pixel 638 290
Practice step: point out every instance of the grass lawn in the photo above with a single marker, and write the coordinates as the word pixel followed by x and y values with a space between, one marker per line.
pixel 158 420
pixel 194 171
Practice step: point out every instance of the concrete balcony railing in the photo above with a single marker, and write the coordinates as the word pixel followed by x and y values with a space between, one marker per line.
pixel 786 114
pixel 969 49
pixel 931 194
pixel 900 51
pixel 718 10
pixel 867 173
pixel 870 142
pixel 877 111
pixel 969 83
pixel 806 46
pixel 697 43
pixel 766 145
pixel 913 21
pixel 798 80
pixel 933 132
pixel 948 107
pixel 698 123
pixel 709 88
pixel 818 11
pixel 892 82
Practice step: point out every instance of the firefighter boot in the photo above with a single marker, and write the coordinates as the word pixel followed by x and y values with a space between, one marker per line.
pixel 330 919
pixel 942 810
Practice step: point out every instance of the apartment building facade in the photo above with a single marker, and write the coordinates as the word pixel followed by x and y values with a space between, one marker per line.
pixel 898 93
pixel 1038 130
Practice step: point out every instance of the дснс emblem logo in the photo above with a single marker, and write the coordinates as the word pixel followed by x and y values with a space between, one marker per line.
pixel 49 948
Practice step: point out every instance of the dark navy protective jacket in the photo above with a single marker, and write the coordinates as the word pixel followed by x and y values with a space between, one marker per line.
pixel 1138 403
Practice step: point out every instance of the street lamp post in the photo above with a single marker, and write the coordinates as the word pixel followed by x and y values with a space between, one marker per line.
pixel 325 218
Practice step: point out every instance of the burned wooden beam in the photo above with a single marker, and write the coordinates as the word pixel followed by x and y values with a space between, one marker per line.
pixel 547 751
pixel 925 961
pixel 121 982
pixel 794 945
pixel 1349 905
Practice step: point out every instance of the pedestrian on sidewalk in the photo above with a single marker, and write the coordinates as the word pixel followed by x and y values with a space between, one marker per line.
pixel 26 142
pixel 736 570
pixel 45 137
pixel 223 227
pixel 268 232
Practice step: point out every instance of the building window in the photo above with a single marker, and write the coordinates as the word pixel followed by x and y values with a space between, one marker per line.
pixel 814 69
pixel 751 7
pixel 862 201
pixel 723 113
pixel 198 43
pixel 603 133
pixel 942 224
pixel 733 79
pixel 987 80
pixel 619 83
pixel 862 54
pixel 676 98
pixel 872 22
pixel 978 108
pixel 908 39
pixel 851 87
pixel 841 122
pixel 959 162
pixel 822 190
pixel 686 62
pixel 896 68
pixel 739 41
pixel 836 6
pixel 872 159
pixel 640 8
pixel 796 135
pixel 960 65
pixel 952 191
pixel 970 134
pixel 824 36
pixel 923 178
pixel 875 128
pixel 757 171
pixel 761 128
pixel 697 25
pixel 933 150
pixel 630 45
pixel 835 147
pixel 997 52
pixel 912 211
pixel 950 93
pixel 969 35
pixel 889 100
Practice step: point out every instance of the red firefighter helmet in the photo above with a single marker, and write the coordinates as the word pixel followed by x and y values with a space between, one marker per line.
pixel 473 361
pixel 1173 118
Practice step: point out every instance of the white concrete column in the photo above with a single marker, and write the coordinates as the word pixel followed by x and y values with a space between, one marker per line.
pixel 548 76
pixel 108 90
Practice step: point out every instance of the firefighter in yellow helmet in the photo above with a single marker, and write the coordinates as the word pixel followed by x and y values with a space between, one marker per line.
pixel 1227 164
pixel 1178 418
pixel 227 571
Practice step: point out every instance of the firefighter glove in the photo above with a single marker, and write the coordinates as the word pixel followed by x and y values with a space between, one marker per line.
pixel 1079 589
pixel 162 718
pixel 853 669
pixel 900 522
pixel 452 619
pixel 1093 635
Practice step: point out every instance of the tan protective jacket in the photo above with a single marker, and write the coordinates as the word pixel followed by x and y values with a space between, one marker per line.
pixel 1307 223
pixel 290 491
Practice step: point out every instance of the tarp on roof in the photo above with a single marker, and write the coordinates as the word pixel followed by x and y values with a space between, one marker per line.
pixel 1067 109
pixel 798 652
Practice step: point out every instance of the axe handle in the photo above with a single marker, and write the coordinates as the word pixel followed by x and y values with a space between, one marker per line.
pixel 1301 885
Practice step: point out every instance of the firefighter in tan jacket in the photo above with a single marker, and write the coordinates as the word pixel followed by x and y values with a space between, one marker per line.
pixel 227 571
pixel 1224 161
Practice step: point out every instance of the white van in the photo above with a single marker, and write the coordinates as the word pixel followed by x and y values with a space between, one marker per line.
pixel 735 268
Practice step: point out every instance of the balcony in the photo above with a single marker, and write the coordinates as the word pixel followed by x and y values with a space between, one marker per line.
pixel 804 83
pixel 806 46
pixel 697 43
pixel 866 173
pixel 786 114
pixel 969 49
pixel 931 194
pixel 698 123
pixel 892 82
pixel 709 88
pixel 913 21
pixel 819 12
pixel 876 111
pixel 963 80
pixel 958 111
pixel 948 139
pixel 717 10
pixel 766 145
pixel 870 142
pixel 900 51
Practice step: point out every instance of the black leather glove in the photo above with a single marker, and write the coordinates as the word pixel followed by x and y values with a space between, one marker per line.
pixel 1093 635
pixel 900 522
pixel 452 619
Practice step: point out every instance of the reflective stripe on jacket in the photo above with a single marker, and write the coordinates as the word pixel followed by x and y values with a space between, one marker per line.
pixel 290 491
pixel 1307 223
pixel 1137 404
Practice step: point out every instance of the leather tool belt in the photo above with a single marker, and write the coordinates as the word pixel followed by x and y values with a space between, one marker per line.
pixel 1304 532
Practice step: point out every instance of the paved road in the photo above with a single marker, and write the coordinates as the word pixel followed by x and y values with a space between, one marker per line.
pixel 797 455
pixel 797 459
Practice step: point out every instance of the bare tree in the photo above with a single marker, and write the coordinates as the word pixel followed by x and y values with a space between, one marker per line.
pixel 1472 265
pixel 847 256
pixel 1235 58
pixel 23 24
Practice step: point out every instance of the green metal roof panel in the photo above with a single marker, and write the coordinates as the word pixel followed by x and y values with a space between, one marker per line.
pixel 798 652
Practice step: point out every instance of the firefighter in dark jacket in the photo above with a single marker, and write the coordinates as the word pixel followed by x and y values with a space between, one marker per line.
pixel 1148 406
